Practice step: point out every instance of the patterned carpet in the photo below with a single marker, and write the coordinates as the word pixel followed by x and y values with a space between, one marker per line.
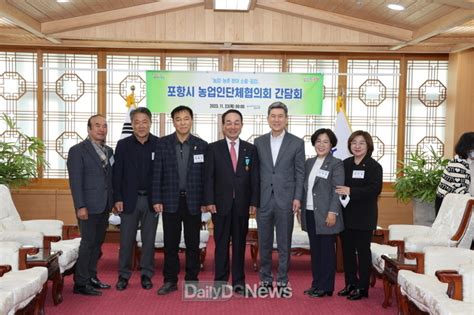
pixel 135 300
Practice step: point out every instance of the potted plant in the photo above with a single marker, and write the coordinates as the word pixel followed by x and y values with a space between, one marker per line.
pixel 20 160
pixel 417 180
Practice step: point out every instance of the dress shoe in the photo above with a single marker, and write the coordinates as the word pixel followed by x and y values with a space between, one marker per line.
pixel 284 290
pixel 243 290
pixel 358 294
pixel 264 288
pixel 97 284
pixel 86 290
pixel 146 282
pixel 122 284
pixel 347 290
pixel 309 291
pixel 320 293
pixel 167 288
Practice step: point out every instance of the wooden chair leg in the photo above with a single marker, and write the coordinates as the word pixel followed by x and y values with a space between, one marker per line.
pixel 403 307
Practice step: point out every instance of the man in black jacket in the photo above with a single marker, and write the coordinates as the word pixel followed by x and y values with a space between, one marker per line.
pixel 132 180
pixel 231 193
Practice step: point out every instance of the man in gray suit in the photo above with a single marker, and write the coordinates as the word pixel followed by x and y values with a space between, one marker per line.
pixel 89 165
pixel 281 156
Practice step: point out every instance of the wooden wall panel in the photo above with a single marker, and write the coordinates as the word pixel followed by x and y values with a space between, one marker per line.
pixel 65 207
pixel 460 101
pixel 35 204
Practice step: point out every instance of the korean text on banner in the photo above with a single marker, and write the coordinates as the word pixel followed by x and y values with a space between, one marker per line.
pixel 251 93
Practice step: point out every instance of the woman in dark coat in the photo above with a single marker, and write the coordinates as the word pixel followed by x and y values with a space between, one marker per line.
pixel 363 184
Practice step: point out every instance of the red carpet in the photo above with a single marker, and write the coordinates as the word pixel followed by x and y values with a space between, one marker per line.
pixel 135 300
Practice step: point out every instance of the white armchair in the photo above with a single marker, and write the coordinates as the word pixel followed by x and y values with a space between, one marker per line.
pixel 45 234
pixel 426 293
pixel 159 242
pixel 453 227
pixel 20 288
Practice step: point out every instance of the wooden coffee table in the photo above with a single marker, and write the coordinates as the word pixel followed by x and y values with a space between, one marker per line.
pixel 49 259
pixel 393 264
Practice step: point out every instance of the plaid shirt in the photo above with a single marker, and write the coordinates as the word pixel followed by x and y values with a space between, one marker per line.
pixel 166 178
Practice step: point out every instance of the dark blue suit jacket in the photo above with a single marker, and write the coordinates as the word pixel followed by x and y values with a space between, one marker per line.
pixel 223 186
pixel 166 178
pixel 125 178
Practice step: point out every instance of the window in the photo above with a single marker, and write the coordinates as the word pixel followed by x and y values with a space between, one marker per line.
pixel 205 126
pixel 69 98
pixel 123 72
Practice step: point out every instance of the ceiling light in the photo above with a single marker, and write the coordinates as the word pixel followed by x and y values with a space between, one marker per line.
pixel 62 1
pixel 396 7
pixel 232 5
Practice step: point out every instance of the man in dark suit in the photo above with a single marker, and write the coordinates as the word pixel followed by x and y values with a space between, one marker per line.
pixel 89 166
pixel 231 193
pixel 281 156
pixel 132 179
pixel 178 181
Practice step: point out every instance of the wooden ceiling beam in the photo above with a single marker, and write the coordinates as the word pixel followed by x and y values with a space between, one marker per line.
pixel 23 21
pixel 453 19
pixel 116 15
pixel 336 19
pixel 461 47
pixel 465 4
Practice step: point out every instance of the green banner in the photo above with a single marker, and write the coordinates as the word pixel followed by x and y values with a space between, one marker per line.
pixel 250 93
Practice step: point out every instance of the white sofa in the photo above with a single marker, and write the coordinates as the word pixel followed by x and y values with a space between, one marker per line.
pixel 37 233
pixel 428 294
pixel 22 291
pixel 453 227
pixel 159 238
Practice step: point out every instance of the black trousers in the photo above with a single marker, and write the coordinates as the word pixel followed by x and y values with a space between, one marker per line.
pixel 144 217
pixel 172 236
pixel 92 236
pixel 227 227
pixel 323 256
pixel 357 257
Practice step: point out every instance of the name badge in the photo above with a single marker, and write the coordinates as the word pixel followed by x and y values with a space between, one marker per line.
pixel 322 173
pixel 112 160
pixel 152 156
pixel 358 174
pixel 198 158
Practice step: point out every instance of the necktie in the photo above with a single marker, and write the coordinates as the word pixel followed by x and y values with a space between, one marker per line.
pixel 233 155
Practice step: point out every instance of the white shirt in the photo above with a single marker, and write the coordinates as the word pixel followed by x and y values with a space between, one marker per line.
pixel 275 144
pixel 312 177
pixel 236 146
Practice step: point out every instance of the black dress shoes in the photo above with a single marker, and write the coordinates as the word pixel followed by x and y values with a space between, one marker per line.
pixel 309 291
pixel 243 290
pixel 358 294
pixel 167 288
pixel 264 288
pixel 97 284
pixel 284 290
pixel 86 290
pixel 347 290
pixel 146 282
pixel 122 284
pixel 320 293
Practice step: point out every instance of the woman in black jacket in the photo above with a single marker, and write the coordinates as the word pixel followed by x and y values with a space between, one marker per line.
pixel 363 184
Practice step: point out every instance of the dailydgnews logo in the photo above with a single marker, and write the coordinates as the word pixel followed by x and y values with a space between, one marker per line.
pixel 222 291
